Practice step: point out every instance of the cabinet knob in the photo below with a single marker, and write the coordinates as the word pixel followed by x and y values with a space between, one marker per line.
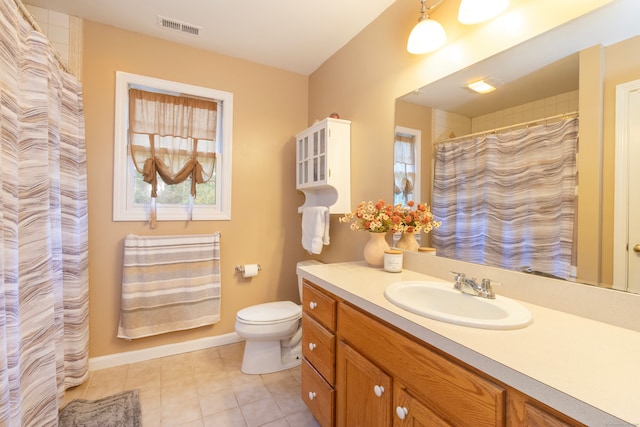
pixel 312 395
pixel 401 412
pixel 378 390
pixel 312 346
pixel 313 305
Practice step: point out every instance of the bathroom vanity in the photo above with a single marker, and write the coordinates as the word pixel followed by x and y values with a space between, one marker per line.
pixel 369 362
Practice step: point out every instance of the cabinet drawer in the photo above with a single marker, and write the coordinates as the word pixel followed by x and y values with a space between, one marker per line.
pixel 318 395
pixel 319 347
pixel 452 392
pixel 319 305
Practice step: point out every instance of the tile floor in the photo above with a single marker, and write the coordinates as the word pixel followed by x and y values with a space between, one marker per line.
pixel 204 388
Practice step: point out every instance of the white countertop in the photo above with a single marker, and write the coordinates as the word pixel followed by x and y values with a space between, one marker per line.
pixel 586 369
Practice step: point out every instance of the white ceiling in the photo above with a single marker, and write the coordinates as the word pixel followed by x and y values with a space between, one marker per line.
pixel 293 35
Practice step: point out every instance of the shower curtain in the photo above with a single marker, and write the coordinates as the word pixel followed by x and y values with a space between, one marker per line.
pixel 43 234
pixel 509 200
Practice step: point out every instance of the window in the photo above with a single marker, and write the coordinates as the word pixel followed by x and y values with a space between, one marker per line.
pixel 132 196
pixel 406 166
pixel 406 169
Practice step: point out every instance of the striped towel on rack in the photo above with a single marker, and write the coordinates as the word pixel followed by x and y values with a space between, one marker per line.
pixel 169 283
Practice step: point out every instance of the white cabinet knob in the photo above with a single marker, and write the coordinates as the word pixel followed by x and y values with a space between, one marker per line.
pixel 312 395
pixel 378 390
pixel 313 305
pixel 401 412
pixel 312 346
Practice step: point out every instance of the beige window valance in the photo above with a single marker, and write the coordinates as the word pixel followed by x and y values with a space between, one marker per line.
pixel 173 137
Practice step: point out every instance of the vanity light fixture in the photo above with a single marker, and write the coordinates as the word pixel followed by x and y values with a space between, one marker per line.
pixel 428 35
pixel 475 11
pixel 481 86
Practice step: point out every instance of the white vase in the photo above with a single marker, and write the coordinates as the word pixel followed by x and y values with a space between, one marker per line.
pixel 374 249
pixel 408 242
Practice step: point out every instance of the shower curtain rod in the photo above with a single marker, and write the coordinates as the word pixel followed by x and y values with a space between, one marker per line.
pixel 32 21
pixel 496 130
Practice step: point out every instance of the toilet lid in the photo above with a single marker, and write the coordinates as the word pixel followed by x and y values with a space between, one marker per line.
pixel 270 312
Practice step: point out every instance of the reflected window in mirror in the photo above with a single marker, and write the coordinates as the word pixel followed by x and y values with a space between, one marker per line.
pixel 406 167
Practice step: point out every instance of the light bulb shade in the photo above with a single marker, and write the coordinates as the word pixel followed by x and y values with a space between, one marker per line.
pixel 426 36
pixel 475 11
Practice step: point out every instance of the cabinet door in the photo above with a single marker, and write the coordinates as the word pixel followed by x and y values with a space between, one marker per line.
pixel 302 171
pixel 411 412
pixel 364 391
pixel 319 150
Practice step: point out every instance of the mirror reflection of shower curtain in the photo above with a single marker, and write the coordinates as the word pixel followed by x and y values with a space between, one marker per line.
pixel 508 200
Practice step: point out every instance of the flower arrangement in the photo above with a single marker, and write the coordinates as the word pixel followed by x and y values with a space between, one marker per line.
pixel 375 218
pixel 382 217
pixel 414 220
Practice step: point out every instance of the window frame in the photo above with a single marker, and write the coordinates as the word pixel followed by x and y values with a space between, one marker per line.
pixel 417 141
pixel 123 207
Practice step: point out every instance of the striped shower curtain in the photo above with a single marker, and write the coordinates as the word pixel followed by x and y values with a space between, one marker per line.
pixel 508 200
pixel 43 236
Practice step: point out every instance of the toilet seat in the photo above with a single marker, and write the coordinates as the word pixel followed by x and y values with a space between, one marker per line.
pixel 269 313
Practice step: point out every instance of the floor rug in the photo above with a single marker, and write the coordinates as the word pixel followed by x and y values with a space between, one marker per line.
pixel 119 410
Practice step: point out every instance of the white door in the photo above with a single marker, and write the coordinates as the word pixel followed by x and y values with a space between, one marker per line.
pixel 627 194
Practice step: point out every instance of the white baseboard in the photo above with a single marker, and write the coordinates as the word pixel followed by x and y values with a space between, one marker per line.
pixel 125 358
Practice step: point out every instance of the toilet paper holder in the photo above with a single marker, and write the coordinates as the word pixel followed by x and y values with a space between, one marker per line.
pixel 240 268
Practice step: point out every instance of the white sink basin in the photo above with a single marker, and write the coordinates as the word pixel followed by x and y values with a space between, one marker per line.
pixel 439 301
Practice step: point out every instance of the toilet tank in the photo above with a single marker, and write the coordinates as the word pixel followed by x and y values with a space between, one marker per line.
pixel 301 264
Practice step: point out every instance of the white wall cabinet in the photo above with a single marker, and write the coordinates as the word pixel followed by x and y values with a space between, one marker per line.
pixel 323 165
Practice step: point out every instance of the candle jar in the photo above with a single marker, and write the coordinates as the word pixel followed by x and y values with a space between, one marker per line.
pixel 393 261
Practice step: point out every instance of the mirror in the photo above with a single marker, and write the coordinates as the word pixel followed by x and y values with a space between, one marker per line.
pixel 547 67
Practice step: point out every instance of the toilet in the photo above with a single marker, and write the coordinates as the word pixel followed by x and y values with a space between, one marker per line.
pixel 272 333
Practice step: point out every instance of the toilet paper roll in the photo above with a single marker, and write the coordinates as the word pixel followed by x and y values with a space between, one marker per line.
pixel 250 270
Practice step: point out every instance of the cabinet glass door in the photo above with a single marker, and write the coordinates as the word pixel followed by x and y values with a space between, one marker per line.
pixel 303 160
pixel 315 157
pixel 322 156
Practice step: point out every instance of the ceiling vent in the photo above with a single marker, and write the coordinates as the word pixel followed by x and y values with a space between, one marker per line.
pixel 175 25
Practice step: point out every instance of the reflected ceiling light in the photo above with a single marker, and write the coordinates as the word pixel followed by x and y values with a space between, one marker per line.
pixel 481 86
pixel 475 11
pixel 428 35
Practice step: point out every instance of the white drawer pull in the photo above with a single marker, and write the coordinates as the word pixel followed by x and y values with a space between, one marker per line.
pixel 378 390
pixel 401 412
pixel 313 305
pixel 312 346
pixel 312 395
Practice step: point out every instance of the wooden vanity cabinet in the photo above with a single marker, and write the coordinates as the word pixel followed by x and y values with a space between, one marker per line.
pixel 363 372
pixel 318 351
pixel 441 389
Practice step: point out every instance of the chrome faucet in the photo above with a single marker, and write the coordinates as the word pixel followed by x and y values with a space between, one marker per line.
pixel 472 287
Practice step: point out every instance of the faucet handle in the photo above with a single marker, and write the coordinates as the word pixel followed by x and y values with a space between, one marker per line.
pixel 458 276
pixel 487 289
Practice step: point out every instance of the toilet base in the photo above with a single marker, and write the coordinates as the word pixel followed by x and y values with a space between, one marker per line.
pixel 264 357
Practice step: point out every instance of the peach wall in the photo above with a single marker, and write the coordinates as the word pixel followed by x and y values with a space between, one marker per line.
pixel 270 107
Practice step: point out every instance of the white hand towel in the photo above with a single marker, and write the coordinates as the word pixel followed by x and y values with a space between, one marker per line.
pixel 315 228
